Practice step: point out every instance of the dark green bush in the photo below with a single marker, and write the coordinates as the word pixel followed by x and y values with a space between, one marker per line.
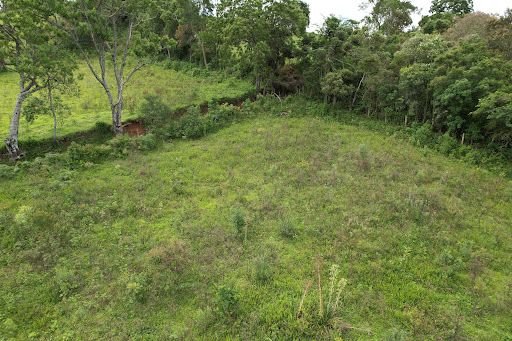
pixel 102 128
pixel 227 300
pixel 78 155
pixel 6 172
pixel 288 229
pixel 424 137
pixel 154 111
pixel 238 220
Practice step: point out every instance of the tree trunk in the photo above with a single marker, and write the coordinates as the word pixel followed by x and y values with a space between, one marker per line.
pixel 258 85
pixel 118 107
pixel 204 54
pixel 355 94
pixel 116 114
pixel 12 141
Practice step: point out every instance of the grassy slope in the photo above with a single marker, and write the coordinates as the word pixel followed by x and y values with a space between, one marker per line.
pixel 91 106
pixel 137 248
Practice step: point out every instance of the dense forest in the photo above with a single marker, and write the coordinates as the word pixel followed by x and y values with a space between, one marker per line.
pixel 210 170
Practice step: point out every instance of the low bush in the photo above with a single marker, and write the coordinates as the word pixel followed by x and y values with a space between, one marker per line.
pixel 78 155
pixel 288 229
pixel 228 300
pixel 6 172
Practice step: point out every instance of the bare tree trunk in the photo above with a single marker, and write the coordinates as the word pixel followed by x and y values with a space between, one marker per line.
pixel 204 53
pixel 258 85
pixel 11 142
pixel 355 94
pixel 118 127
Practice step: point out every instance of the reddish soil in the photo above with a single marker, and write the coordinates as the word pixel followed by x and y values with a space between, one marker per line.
pixel 133 129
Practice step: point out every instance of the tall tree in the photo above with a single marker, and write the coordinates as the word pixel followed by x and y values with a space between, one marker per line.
pixel 457 7
pixel 390 16
pixel 117 29
pixel 34 51
pixel 261 30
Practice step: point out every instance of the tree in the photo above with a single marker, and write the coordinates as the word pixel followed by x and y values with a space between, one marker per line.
pixel 468 26
pixel 496 110
pixel 34 51
pixel 260 29
pixel 500 34
pixel 457 7
pixel 390 16
pixel 117 29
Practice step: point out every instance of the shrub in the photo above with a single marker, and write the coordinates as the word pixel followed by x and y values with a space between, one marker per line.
pixel 227 300
pixel 102 128
pixel 288 229
pixel 124 144
pixel 6 172
pixel 448 145
pixel 262 271
pixel 364 160
pixel 66 281
pixel 154 111
pixel 238 220
pixel 424 137
pixel 78 155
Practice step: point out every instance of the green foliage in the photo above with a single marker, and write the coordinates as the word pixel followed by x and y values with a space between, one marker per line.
pixel 336 287
pixel 496 110
pixel 154 111
pixel 78 155
pixel 390 16
pixel 262 270
pixel 228 299
pixel 66 280
pixel 287 228
pixel 458 7
pixel 424 137
pixel 6 172
pixel 238 220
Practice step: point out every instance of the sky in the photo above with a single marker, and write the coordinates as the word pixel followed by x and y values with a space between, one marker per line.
pixel 321 9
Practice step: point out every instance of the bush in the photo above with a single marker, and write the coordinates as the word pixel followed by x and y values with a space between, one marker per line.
pixel 262 271
pixel 448 145
pixel 102 128
pixel 124 144
pixel 364 160
pixel 238 220
pixel 6 172
pixel 288 229
pixel 154 111
pixel 78 155
pixel 227 300
pixel 424 137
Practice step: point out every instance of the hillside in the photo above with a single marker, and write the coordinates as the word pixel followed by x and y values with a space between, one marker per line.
pixel 225 237
pixel 88 103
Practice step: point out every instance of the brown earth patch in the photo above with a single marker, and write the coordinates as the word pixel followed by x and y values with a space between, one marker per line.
pixel 133 129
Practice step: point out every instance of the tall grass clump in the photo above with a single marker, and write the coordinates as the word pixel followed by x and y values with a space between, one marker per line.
pixel 238 221
pixel 364 157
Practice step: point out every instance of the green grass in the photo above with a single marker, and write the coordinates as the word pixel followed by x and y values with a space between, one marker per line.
pixel 146 248
pixel 91 105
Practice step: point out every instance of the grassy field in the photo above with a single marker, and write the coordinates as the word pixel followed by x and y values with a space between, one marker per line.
pixel 228 237
pixel 91 105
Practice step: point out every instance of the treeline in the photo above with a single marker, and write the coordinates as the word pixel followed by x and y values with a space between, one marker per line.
pixel 451 74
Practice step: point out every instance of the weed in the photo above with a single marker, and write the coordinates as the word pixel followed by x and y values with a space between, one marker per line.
pixel 238 221
pixel 288 229
pixel 262 271
pixel 228 299
pixel 364 157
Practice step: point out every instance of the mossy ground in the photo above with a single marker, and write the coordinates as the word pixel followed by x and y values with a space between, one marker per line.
pixel 145 247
